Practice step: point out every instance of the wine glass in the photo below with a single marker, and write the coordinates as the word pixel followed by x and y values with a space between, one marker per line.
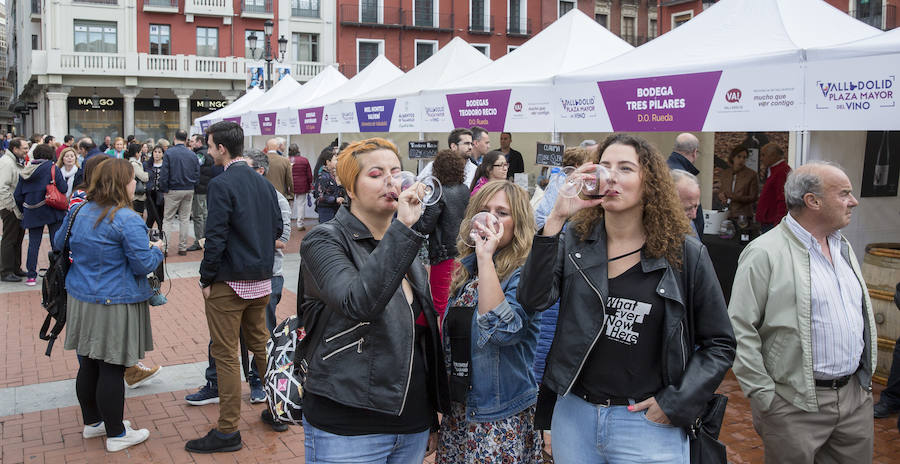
pixel 591 182
pixel 471 233
pixel 433 188
pixel 572 184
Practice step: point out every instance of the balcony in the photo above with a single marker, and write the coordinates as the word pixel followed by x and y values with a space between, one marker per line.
pixel 98 2
pixel 145 65
pixel 354 15
pixel 161 6
pixel 427 21
pixel 477 24
pixel 516 28
pixel 259 9
pixel 209 8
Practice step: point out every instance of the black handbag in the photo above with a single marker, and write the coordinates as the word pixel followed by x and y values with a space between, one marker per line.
pixel 704 433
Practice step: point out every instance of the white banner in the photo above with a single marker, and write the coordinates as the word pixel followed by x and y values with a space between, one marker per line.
pixel 529 110
pixel 757 99
pixel 853 94
pixel 339 117
pixel 579 108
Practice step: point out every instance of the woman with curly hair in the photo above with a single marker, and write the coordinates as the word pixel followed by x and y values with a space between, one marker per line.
pixel 441 221
pixel 647 336
pixel 489 338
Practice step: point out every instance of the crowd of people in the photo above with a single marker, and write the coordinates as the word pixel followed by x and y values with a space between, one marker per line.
pixel 599 320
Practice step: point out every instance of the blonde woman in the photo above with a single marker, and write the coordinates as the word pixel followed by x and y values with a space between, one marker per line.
pixel 118 149
pixel 68 164
pixel 489 338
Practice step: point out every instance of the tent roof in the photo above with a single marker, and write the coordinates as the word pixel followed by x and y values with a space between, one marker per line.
pixel 568 44
pixel 736 32
pixel 451 62
pixel 275 97
pixel 236 107
pixel 881 44
pixel 327 80
pixel 379 72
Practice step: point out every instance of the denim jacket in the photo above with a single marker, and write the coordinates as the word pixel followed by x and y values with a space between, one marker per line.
pixel 503 342
pixel 110 263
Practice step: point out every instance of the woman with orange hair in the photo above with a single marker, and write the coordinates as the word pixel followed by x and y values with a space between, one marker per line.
pixel 376 378
pixel 644 336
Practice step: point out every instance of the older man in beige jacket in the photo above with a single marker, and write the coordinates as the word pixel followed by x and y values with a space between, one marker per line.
pixel 11 165
pixel 804 328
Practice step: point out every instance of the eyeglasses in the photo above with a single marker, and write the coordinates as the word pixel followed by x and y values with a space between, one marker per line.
pixel 502 165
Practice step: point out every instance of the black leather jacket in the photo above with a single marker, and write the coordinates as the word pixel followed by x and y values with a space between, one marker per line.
pixel 362 351
pixel 441 222
pixel 690 374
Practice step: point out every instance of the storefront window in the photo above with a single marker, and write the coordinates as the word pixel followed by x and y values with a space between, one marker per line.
pixel 85 121
pixel 155 122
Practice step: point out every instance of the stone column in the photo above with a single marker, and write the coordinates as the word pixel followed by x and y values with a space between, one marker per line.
pixel 184 107
pixel 231 95
pixel 129 93
pixel 57 111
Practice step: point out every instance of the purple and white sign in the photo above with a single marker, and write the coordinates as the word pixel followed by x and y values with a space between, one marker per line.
pixel 204 125
pixel 266 123
pixel 375 116
pixel 236 119
pixel 658 104
pixel 485 109
pixel 311 120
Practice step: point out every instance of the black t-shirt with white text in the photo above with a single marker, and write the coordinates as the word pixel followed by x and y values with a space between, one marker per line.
pixel 626 361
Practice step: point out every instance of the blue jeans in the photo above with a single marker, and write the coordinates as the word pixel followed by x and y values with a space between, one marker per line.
pixel 34 246
pixel 274 299
pixel 327 448
pixel 586 433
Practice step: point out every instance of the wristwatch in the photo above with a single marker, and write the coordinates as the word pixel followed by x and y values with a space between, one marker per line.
pixel 200 283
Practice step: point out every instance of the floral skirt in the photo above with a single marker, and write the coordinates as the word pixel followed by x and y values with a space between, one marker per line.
pixel 507 441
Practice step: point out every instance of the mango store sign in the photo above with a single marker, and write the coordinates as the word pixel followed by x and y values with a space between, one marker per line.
pixel 267 123
pixel 485 109
pixel 375 116
pixel 657 104
pixel 311 120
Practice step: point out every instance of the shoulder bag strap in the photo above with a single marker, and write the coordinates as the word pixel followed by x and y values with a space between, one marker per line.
pixel 65 248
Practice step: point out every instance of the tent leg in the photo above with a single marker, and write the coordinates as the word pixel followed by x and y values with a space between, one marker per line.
pixel 554 137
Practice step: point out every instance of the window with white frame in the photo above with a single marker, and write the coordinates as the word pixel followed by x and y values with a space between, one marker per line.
pixel 207 41
pixel 425 12
pixel 96 36
pixel 682 17
pixel 306 46
pixel 517 22
pixel 370 11
pixel 510 48
pixel 367 51
pixel 483 48
pixel 160 39
pixel 479 15
pixel 602 19
pixel 305 8
pixel 566 6
pixel 424 50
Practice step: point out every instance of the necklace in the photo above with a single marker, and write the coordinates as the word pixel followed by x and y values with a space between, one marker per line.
pixel 626 254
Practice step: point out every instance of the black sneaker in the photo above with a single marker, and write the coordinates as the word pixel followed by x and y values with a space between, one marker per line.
pixel 10 278
pixel 276 424
pixel 20 273
pixel 195 247
pixel 214 443
pixel 883 409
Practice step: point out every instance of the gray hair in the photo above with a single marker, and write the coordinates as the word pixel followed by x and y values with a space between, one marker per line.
pixel 587 143
pixel 802 181
pixel 282 143
pixel 684 144
pixel 258 159
pixel 679 175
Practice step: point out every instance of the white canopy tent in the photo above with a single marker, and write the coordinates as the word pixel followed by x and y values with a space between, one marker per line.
pixel 854 86
pixel 285 105
pixel 395 106
pixel 512 93
pixel 329 114
pixel 736 66
pixel 256 120
pixel 234 109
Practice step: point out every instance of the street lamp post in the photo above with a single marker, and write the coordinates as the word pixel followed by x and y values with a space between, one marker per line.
pixel 282 47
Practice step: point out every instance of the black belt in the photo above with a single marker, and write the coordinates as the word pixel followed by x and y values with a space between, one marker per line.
pixel 603 400
pixel 834 384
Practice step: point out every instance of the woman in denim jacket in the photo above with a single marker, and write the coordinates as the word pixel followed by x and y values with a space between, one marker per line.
pixel 108 316
pixel 490 339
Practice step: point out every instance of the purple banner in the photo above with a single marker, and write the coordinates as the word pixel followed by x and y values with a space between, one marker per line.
pixel 485 109
pixel 204 125
pixel 266 123
pixel 659 104
pixel 311 120
pixel 236 119
pixel 375 116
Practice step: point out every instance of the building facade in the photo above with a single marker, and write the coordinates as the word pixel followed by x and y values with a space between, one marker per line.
pixel 149 67
pixel 407 32
pixel 635 21
pixel 878 13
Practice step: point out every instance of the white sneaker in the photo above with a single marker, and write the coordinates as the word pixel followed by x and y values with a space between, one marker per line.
pixel 132 437
pixel 99 430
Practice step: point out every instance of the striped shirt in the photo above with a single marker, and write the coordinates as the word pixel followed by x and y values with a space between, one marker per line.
pixel 836 307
